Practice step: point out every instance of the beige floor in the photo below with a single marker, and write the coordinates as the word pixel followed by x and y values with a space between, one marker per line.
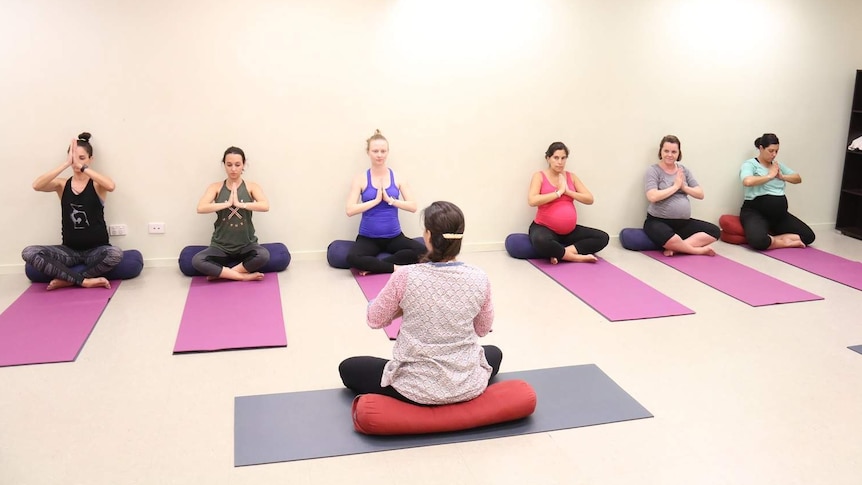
pixel 740 395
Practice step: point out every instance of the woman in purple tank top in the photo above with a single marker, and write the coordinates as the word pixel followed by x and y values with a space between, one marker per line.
pixel 378 195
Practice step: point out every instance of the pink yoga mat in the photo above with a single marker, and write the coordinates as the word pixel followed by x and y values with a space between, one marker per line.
pixel 44 326
pixel 611 291
pixel 832 267
pixel 734 279
pixel 371 284
pixel 222 315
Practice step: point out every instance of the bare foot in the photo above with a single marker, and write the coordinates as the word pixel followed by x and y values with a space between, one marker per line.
pixel 253 276
pixel 363 273
pixel 58 283
pixel 789 241
pixel 96 283
pixel 574 256
pixel 794 241
pixel 554 260
pixel 667 252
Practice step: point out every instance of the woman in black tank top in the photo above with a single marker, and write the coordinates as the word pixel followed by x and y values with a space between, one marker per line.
pixel 85 254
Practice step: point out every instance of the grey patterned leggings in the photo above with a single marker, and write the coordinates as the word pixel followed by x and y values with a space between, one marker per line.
pixel 57 261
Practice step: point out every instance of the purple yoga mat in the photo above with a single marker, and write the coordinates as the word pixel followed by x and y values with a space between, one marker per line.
pixel 371 284
pixel 734 279
pixel 611 291
pixel 44 326
pixel 223 314
pixel 832 267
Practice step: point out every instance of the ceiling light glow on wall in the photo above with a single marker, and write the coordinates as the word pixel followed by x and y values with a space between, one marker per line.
pixel 465 30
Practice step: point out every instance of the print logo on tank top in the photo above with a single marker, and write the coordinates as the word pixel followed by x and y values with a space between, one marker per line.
pixel 79 217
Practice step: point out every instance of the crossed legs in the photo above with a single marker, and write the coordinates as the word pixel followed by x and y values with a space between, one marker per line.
pixel 213 262
pixel 688 236
pixel 577 246
pixel 57 262
pixel 362 375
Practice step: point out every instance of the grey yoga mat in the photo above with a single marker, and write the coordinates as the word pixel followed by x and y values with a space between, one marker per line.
pixel 292 426
pixel 856 348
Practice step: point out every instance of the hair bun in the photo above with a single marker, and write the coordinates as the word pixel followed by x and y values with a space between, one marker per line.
pixel 376 136
pixel 84 137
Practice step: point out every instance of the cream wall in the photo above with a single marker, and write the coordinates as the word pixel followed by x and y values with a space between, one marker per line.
pixel 470 93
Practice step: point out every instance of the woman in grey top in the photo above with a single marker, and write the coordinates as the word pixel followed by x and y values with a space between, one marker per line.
pixel 668 223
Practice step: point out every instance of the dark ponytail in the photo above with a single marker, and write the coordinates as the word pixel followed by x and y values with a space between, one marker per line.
pixel 445 222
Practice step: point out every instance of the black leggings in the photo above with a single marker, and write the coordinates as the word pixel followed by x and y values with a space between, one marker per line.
pixel 660 230
pixel 212 260
pixel 767 215
pixel 362 374
pixel 403 250
pixel 549 244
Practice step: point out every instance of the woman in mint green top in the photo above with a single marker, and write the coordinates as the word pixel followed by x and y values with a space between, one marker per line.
pixel 233 200
pixel 764 216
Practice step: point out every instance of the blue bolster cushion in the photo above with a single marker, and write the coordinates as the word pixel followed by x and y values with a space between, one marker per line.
pixel 279 258
pixel 635 239
pixel 519 246
pixel 336 252
pixel 129 267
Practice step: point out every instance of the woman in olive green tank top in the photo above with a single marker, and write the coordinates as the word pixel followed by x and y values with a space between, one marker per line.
pixel 234 253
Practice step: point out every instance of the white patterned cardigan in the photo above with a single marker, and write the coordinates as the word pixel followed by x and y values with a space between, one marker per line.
pixel 446 307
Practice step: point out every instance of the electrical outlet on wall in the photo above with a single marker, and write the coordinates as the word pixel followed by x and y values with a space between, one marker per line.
pixel 156 228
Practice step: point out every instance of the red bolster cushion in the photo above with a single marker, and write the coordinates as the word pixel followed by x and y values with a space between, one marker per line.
pixel 376 414
pixel 731 229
